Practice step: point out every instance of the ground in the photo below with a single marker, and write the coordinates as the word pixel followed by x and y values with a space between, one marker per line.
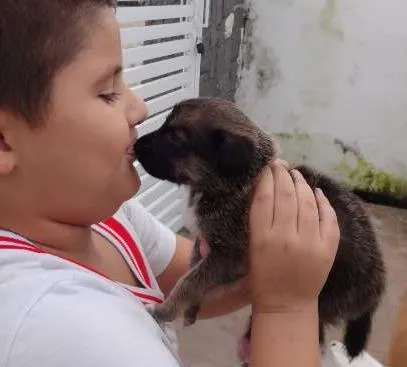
pixel 212 343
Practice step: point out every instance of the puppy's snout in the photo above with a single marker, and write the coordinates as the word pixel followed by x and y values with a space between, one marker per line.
pixel 156 161
pixel 142 147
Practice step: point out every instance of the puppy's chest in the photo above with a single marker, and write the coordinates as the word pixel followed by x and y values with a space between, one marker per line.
pixel 223 225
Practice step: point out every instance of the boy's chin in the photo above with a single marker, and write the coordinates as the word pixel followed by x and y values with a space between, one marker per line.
pixel 132 185
pixel 136 183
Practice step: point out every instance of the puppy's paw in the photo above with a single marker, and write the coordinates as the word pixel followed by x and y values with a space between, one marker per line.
pixel 164 312
pixel 243 351
pixel 190 315
pixel 150 308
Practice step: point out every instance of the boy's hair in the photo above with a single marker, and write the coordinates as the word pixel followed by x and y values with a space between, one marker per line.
pixel 37 39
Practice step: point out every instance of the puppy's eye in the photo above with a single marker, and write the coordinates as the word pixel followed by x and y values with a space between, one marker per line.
pixel 175 136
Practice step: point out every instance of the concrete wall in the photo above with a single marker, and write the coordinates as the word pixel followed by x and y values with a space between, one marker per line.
pixel 222 41
pixel 329 77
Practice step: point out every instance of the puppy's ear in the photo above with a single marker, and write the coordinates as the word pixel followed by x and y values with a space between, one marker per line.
pixel 233 153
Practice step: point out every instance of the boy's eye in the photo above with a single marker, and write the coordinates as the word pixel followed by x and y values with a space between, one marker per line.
pixel 110 97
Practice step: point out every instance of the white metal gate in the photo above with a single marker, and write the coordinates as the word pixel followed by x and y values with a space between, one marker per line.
pixel 162 64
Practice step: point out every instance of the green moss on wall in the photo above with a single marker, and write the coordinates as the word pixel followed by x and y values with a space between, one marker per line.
pixel 365 176
pixel 353 168
pixel 295 135
pixel 326 20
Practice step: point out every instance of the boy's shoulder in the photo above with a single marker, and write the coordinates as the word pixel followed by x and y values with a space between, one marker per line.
pixel 28 279
pixel 73 318
pixel 156 240
pixel 46 300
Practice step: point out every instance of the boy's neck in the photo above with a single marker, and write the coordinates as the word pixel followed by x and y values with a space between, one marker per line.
pixel 56 238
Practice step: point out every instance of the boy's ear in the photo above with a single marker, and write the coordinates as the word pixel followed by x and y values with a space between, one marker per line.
pixel 7 155
pixel 7 161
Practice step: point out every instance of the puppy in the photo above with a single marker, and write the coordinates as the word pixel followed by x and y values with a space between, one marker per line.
pixel 209 145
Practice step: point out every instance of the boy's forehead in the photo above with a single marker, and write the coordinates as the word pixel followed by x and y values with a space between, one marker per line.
pixel 104 37
pixel 102 53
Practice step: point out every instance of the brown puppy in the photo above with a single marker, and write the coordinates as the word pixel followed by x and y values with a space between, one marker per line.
pixel 211 146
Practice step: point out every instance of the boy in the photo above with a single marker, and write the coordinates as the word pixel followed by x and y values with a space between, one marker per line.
pixel 398 345
pixel 78 256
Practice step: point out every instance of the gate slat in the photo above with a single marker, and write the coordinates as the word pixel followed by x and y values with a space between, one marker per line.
pixel 170 211
pixel 142 13
pixel 153 192
pixel 139 73
pixel 148 90
pixel 147 181
pixel 135 56
pixel 136 35
pixel 167 101
pixel 156 206
pixel 141 171
pixel 177 222
pixel 152 123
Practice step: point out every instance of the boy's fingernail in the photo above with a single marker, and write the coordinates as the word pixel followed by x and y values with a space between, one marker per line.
pixel 282 162
pixel 296 174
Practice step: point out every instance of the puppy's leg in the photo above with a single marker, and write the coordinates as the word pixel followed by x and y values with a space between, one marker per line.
pixel 196 254
pixel 190 315
pixel 185 292
pixel 321 334
pixel 190 289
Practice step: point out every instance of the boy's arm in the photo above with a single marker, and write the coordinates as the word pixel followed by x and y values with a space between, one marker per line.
pixel 286 339
pixel 216 305
pixel 398 345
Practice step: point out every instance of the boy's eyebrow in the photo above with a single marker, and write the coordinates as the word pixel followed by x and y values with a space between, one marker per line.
pixel 110 72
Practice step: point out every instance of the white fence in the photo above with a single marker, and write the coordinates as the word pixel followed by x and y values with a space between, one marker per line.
pixel 162 65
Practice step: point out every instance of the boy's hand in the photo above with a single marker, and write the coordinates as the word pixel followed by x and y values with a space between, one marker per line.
pixel 294 236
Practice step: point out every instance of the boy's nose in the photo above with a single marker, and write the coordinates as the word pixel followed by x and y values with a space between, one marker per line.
pixel 138 111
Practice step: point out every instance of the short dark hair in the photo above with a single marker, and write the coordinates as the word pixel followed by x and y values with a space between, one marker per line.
pixel 37 39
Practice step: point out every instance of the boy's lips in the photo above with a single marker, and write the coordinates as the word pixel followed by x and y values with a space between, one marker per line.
pixel 130 149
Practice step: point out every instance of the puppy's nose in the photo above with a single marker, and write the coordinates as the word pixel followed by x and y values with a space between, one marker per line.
pixel 140 146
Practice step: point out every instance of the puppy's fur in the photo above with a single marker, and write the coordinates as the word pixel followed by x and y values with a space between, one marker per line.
pixel 211 146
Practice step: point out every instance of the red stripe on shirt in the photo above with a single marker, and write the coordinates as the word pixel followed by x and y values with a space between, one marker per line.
pixel 17 241
pixel 118 230
pixel 147 296
pixel 16 247
pixel 13 244
pixel 117 227
pixel 122 243
pixel 9 244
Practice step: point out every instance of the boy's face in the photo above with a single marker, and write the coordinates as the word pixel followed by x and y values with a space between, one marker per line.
pixel 76 167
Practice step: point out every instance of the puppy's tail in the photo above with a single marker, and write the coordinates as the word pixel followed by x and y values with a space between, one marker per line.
pixel 357 334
